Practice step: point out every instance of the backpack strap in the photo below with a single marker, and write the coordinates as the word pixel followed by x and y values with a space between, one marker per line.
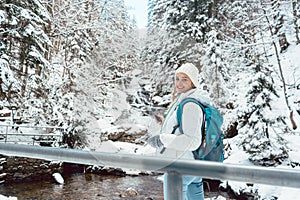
pixel 180 110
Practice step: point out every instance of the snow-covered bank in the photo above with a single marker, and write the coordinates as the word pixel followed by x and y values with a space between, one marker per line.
pixel 266 191
pixel 7 198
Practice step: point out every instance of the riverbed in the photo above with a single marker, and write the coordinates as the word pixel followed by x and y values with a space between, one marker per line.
pixel 88 186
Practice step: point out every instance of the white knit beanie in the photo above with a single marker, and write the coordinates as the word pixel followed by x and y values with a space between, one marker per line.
pixel 190 70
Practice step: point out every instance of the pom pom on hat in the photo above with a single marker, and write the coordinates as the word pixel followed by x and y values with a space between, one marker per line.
pixel 191 71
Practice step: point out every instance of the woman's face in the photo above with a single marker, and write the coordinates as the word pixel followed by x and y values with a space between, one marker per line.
pixel 183 83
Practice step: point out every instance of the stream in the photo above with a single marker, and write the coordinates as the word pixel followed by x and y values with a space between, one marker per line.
pixel 88 186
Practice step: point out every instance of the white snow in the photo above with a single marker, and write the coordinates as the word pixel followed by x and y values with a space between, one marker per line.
pixel 58 178
pixel 7 198
pixel 2 16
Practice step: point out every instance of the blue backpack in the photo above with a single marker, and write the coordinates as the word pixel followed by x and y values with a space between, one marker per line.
pixel 211 148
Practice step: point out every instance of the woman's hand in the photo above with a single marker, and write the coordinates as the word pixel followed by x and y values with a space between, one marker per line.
pixel 155 142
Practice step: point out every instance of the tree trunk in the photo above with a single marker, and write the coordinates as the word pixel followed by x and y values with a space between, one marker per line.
pixel 294 125
pixel 283 43
pixel 24 80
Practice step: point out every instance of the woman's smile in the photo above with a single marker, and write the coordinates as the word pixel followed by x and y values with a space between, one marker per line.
pixel 183 83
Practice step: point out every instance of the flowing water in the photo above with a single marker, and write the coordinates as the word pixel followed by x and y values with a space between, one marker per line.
pixel 90 187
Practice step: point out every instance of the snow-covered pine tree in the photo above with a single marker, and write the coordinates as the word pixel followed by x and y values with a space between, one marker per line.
pixel 261 128
pixel 74 31
pixel 155 35
pixel 296 17
pixel 214 69
pixel 176 32
pixel 24 53
pixel 278 17
pixel 243 34
pixel 57 108
pixel 113 55
pixel 150 5
pixel 232 42
pixel 258 125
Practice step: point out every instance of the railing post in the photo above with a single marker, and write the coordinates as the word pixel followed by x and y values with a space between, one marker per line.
pixel 61 133
pixel 174 186
pixel 6 134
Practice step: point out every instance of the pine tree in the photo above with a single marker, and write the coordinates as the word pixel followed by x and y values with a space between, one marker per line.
pixel 113 57
pixel 261 137
pixel 255 121
pixel 278 22
pixel 235 43
pixel 296 16
pixel 176 31
pixel 94 48
pixel 215 70
pixel 24 52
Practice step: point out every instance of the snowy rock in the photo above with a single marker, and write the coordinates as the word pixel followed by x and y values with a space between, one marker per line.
pixel 109 146
pixel 130 192
pixel 8 198
pixel 2 175
pixel 58 178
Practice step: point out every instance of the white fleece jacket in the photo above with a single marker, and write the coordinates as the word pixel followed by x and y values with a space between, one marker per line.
pixel 181 145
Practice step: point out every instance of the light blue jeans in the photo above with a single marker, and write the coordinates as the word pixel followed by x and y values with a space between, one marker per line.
pixel 192 188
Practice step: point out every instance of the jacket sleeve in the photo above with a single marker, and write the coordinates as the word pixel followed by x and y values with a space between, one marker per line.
pixel 190 140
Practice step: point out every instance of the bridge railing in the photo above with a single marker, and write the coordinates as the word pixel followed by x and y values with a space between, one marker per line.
pixel 174 168
pixel 26 134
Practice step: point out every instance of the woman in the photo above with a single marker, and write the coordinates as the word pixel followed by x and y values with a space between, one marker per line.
pixel 171 142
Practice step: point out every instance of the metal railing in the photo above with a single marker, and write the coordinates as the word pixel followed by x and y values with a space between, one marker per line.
pixel 175 169
pixel 50 134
